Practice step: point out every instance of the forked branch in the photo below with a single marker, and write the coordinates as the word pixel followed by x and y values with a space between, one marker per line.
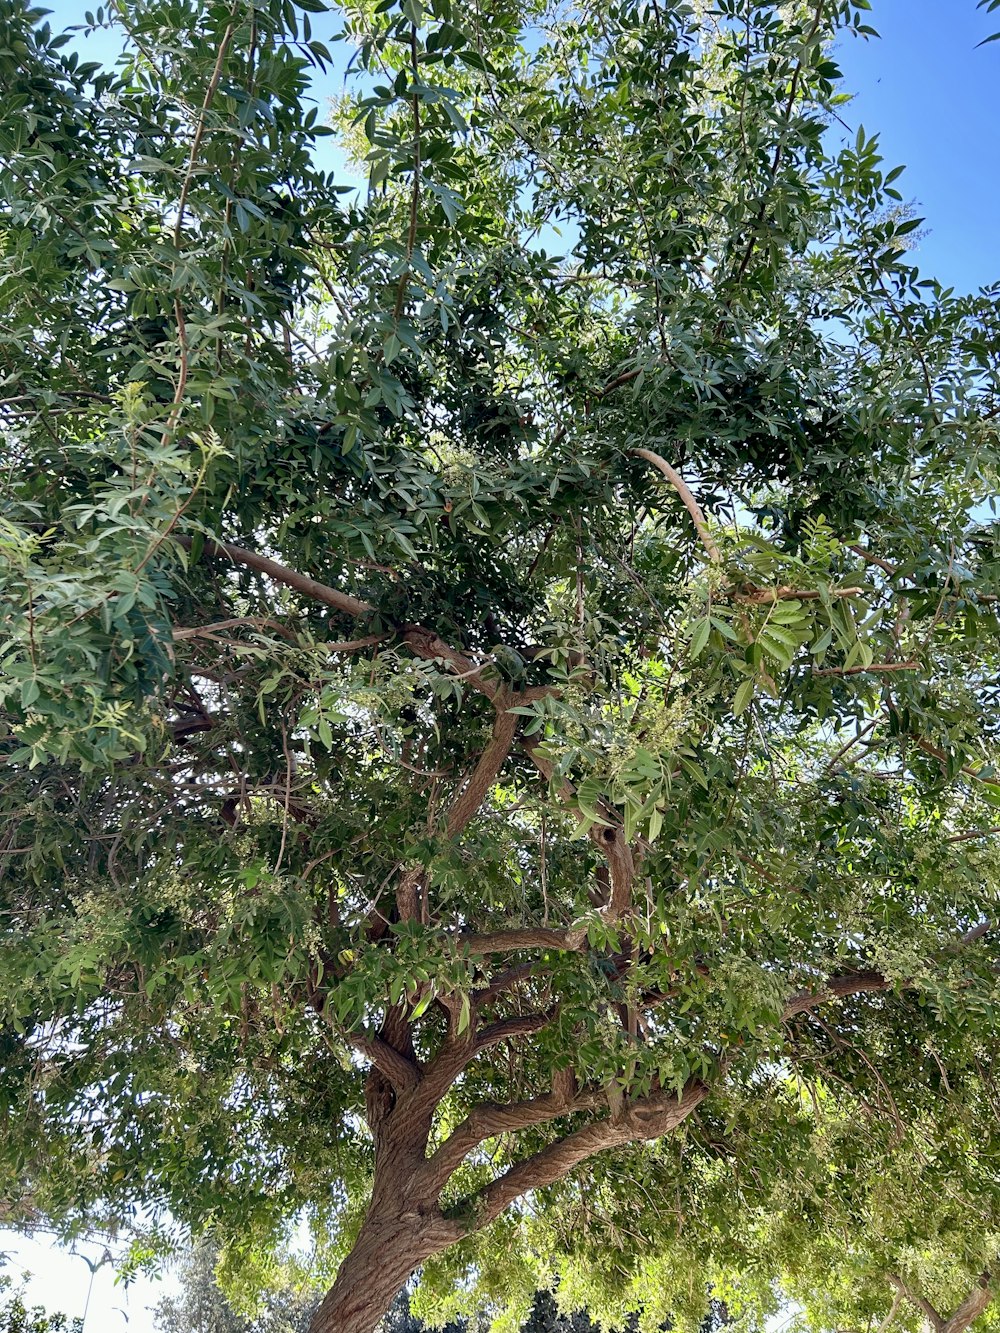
pixel 646 1118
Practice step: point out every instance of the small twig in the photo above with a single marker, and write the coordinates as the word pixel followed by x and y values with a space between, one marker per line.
pixel 780 146
pixel 411 237
pixel 355 645
pixel 288 797
pixel 198 631
pixel 199 133
pixel 850 744
pixel 864 670
pixel 974 833
pixel 870 559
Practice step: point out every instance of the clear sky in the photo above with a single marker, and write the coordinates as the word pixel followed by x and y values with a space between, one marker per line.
pixel 934 98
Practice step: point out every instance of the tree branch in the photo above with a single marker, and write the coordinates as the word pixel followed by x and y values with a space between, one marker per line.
pixel 518 1025
pixel 646 1118
pixel 936 753
pixel 571 940
pixel 424 642
pixel 690 503
pixel 836 988
pixel 875 669
pixel 467 801
pixel 506 981
pixel 785 593
pixel 490 1119
pixel 404 1074
pixel 780 146
pixel 235 622
pixel 312 588
pixel 934 1319
pixel 971 1308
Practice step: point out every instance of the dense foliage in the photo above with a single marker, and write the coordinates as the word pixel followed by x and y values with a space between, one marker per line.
pixel 198 1305
pixel 500 666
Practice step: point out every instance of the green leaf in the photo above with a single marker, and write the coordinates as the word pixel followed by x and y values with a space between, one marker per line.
pixel 699 637
pixel 743 696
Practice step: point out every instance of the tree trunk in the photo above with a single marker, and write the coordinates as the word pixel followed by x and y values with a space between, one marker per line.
pixel 971 1308
pixel 386 1254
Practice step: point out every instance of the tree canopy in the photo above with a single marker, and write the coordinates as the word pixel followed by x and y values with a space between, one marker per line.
pixel 498 711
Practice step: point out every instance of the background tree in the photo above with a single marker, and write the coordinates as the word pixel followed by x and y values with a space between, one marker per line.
pixel 16 1317
pixel 200 1306
pixel 475 724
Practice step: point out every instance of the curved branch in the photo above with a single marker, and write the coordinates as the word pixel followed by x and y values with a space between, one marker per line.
pixel 690 503
pixel 971 1308
pixel 933 1318
pixel 467 801
pixel 492 1118
pixel 404 1074
pixel 291 578
pixel 424 642
pixel 646 1118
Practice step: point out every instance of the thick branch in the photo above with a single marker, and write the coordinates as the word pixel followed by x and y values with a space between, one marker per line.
pixel 492 1118
pixel 971 1308
pixel 647 1118
pixel 518 1025
pixel 507 980
pixel 571 940
pixel 984 927
pixel 402 1073
pixel 467 801
pixel 858 983
pixel 836 988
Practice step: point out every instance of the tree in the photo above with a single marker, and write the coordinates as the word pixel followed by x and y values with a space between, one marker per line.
pixel 16 1317
pixel 477 724
pixel 200 1306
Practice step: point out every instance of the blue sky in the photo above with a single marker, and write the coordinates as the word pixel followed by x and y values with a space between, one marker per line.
pixel 931 96
pixel 924 86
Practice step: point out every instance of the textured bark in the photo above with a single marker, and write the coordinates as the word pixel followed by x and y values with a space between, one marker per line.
pixel 466 803
pixel 386 1254
pixel 971 1308
pixel 646 1118
pixel 978 1299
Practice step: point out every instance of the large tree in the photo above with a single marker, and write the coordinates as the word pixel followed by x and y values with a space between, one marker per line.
pixel 491 659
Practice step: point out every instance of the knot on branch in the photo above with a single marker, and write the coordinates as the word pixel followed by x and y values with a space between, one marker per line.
pixel 611 841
